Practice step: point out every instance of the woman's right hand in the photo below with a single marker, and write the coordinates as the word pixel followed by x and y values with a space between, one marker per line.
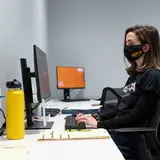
pixel 78 116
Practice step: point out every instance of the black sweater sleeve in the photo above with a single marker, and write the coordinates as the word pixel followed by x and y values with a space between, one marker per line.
pixel 143 110
pixel 108 115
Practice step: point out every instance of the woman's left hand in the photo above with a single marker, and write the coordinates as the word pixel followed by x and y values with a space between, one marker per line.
pixel 89 120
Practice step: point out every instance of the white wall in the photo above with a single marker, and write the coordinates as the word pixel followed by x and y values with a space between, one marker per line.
pixel 22 24
pixel 90 33
pixel 40 24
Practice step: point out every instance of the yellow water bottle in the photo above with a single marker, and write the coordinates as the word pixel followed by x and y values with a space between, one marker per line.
pixel 14 111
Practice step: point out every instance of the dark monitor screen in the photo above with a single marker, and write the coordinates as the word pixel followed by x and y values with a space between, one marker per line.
pixel 42 74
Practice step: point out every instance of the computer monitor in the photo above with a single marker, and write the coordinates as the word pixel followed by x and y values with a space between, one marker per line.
pixel 42 74
pixel 28 94
pixel 70 78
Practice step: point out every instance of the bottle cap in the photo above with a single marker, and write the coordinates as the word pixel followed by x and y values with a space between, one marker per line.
pixel 13 84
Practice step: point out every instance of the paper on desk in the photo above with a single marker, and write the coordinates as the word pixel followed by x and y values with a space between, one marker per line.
pixel 13 152
pixel 95 101
pixel 55 105
pixel 96 107
pixel 79 106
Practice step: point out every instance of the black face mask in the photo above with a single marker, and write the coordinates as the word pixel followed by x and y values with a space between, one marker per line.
pixel 133 52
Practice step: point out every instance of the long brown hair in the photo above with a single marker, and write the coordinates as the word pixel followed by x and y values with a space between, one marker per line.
pixel 146 35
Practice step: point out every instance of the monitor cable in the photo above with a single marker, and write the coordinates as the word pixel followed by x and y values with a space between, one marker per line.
pixel 3 113
pixel 71 90
pixel 36 106
pixel 3 127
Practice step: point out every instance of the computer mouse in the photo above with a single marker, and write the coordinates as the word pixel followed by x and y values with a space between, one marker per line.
pixel 54 112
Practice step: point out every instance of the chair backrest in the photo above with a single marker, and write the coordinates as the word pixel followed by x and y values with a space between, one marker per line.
pixel 153 141
pixel 109 93
pixel 155 120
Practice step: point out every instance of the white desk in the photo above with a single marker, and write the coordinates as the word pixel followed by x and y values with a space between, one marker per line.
pixel 60 150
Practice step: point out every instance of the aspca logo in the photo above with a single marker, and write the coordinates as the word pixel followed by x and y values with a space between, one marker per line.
pixel 60 83
pixel 136 54
pixel 80 69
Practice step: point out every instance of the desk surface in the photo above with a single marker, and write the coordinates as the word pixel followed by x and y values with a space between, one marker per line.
pixel 65 150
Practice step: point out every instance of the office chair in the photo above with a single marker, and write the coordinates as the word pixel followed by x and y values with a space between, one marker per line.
pixel 110 99
pixel 146 138
pixel 115 94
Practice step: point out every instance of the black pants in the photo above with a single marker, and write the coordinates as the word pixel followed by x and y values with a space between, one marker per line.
pixel 126 144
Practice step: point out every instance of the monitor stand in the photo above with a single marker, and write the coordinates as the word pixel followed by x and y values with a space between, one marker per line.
pixel 67 97
pixel 66 93
pixel 39 125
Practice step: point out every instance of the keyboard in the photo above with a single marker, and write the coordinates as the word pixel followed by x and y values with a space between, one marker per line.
pixel 52 111
pixel 75 100
pixel 71 123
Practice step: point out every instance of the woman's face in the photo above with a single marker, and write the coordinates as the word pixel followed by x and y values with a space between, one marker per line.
pixel 132 39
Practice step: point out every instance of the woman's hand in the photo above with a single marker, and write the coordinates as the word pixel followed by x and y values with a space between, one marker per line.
pixel 79 115
pixel 89 120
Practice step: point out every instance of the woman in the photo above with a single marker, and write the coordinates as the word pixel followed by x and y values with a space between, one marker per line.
pixel 142 50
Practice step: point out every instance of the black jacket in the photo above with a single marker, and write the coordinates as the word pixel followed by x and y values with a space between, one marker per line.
pixel 141 104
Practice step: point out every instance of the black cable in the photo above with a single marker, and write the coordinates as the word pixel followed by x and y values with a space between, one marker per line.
pixel 3 128
pixel 36 106
pixel 71 90
pixel 3 113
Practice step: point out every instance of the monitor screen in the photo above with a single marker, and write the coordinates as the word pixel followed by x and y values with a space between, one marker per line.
pixel 70 77
pixel 42 74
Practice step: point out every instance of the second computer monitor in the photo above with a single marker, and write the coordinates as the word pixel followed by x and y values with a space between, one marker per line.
pixel 42 74
pixel 70 78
